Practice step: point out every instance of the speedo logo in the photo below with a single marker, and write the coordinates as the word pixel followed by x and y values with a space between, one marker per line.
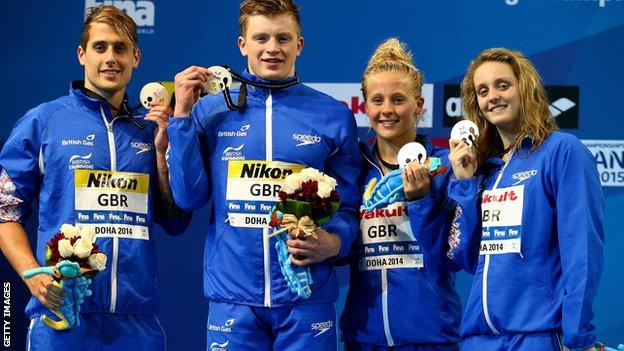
pixel 87 141
pixel 235 133
pixel 305 139
pixel 261 170
pixel 108 181
pixel 522 176
pixel 142 147
pixel 321 327
pixel 215 346
pixel 560 106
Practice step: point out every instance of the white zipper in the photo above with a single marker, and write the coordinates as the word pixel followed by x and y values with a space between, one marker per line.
pixel 384 306
pixel 486 266
pixel 113 168
pixel 265 231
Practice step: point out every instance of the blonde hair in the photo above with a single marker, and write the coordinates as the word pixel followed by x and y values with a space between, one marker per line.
pixel 535 121
pixel 114 17
pixel 393 56
pixel 269 9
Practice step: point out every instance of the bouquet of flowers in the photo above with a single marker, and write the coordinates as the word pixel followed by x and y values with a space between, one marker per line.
pixel 72 258
pixel 307 199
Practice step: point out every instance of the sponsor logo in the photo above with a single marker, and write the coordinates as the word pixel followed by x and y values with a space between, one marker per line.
pixel 398 211
pixel 80 162
pixel 564 105
pixel 87 141
pixel 522 176
pixel 609 156
pixel 215 346
pixel 321 327
pixel 234 133
pixel 225 328
pixel 305 139
pixel 262 170
pixel 509 195
pixel 109 181
pixel 453 109
pixel 232 153
pixel 350 95
pixel 142 12
pixel 142 147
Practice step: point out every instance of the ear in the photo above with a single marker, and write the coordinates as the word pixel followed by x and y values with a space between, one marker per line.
pixel 420 103
pixel 81 54
pixel 242 46
pixel 299 45
pixel 137 57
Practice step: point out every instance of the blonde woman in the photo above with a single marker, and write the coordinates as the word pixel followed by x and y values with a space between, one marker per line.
pixel 530 215
pixel 401 294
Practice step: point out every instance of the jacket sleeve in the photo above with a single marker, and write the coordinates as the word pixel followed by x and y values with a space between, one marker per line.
pixel 186 158
pixel 344 165
pixel 580 207
pixel 464 235
pixel 20 171
pixel 430 217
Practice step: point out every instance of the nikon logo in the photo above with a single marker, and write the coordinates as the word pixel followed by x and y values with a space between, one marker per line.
pixel 142 12
pixel 261 170
pixel 103 180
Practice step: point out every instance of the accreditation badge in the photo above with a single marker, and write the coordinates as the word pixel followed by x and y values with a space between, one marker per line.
pixel 501 218
pixel 252 190
pixel 387 239
pixel 115 204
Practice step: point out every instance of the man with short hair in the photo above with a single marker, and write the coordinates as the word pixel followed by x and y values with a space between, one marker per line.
pixel 283 127
pixel 60 153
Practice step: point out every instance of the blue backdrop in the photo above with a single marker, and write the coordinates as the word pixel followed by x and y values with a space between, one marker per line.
pixel 576 45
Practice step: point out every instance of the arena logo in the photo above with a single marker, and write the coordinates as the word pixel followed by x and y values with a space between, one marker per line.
pixel 350 95
pixel 601 3
pixel 564 105
pixel 142 12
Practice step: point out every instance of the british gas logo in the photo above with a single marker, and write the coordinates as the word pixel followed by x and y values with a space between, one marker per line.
pixel 142 12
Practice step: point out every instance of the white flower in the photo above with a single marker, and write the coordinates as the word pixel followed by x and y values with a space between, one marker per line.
pixel 291 183
pixel 65 248
pixel 311 173
pixel 329 181
pixel 324 190
pixel 70 231
pixel 82 248
pixel 97 261
pixel 87 233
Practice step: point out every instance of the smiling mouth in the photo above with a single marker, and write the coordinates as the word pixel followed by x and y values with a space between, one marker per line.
pixel 110 72
pixel 388 122
pixel 497 108
pixel 272 61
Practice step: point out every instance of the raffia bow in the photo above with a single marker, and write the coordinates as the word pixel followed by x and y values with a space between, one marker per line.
pixel 290 223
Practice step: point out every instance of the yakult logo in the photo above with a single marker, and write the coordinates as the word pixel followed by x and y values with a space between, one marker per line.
pixel 142 12
pixel 509 195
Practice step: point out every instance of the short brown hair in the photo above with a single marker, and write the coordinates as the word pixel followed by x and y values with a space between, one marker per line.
pixel 536 120
pixel 114 17
pixel 267 8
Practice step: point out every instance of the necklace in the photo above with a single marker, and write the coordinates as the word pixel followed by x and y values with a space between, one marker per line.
pixel 391 166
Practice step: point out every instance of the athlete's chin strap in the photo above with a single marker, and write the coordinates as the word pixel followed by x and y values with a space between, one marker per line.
pixel 242 94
